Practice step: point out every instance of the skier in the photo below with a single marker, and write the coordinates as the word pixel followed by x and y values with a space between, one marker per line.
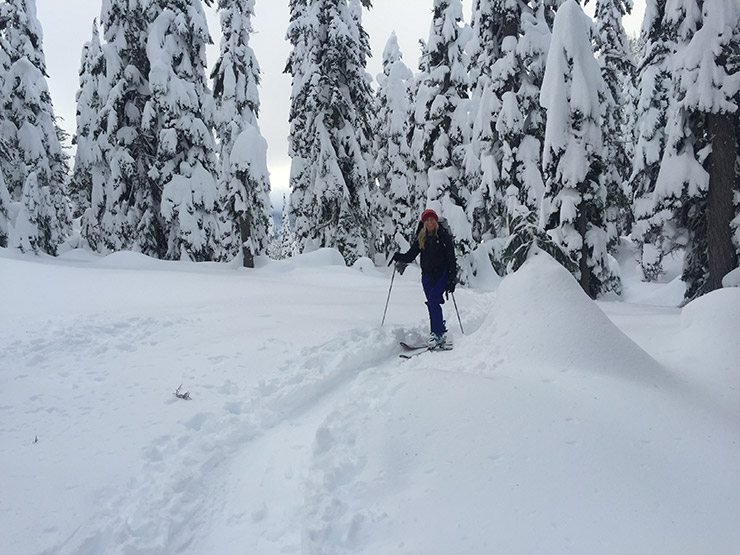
pixel 438 270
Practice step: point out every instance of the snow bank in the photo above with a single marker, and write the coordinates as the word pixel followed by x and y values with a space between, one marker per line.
pixel 732 279
pixel 541 316
pixel 656 294
pixel 126 260
pixel 315 259
pixel 366 266
pixel 714 318
pixel 667 291
pixel 710 325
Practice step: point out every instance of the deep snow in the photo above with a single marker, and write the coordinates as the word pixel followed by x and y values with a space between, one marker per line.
pixel 556 425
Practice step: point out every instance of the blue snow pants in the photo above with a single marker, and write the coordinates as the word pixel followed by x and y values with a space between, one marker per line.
pixel 434 289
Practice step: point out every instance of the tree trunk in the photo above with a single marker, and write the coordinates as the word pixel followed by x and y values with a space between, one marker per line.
pixel 720 209
pixel 245 230
pixel 582 226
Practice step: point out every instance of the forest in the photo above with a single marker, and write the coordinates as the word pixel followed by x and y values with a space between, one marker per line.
pixel 532 125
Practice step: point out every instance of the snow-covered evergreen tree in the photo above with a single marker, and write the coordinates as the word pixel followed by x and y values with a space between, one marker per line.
pixel 490 22
pixel 332 106
pixel 655 95
pixel 121 195
pixel 36 169
pixel 153 177
pixel 573 204
pixel 91 97
pixel 179 115
pixel 286 245
pixel 440 126
pixel 523 133
pixel 298 63
pixel 617 70
pixel 28 226
pixel 397 203
pixel 244 179
pixel 697 188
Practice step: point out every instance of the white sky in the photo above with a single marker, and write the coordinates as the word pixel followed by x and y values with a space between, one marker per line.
pixel 67 26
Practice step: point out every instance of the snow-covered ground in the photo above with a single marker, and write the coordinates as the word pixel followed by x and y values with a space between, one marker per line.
pixel 556 425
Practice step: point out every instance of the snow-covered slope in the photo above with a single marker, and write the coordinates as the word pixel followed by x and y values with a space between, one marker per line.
pixel 557 425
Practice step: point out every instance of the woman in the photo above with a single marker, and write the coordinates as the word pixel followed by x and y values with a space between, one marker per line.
pixel 438 270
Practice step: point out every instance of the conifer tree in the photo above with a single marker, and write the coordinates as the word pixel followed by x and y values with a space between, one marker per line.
pixel 37 166
pixel 697 189
pixel 179 115
pixel 244 179
pixel 440 126
pixel 523 133
pixel 124 209
pixel 297 65
pixel 287 237
pixel 481 165
pixel 91 97
pixel 617 70
pixel 397 202
pixel 655 95
pixel 331 123
pixel 28 227
pixel 573 204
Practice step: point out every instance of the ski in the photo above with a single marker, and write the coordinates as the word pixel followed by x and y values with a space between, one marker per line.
pixel 416 350
pixel 410 347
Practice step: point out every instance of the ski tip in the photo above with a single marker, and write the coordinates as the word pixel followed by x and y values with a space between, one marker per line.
pixel 411 347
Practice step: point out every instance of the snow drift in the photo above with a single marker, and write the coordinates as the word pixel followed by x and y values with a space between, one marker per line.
pixel 542 317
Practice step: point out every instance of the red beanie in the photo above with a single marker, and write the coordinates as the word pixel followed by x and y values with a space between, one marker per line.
pixel 429 213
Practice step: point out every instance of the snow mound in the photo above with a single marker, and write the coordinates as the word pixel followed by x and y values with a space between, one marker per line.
pixel 655 294
pixel 129 260
pixel 542 317
pixel 732 279
pixel 711 323
pixel 366 266
pixel 79 255
pixel 321 257
pixel 315 259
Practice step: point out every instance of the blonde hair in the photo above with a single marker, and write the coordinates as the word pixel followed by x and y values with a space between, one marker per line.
pixel 423 234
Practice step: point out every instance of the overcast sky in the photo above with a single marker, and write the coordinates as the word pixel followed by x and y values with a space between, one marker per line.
pixel 67 25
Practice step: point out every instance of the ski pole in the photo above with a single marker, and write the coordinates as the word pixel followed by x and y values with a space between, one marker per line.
pixel 458 313
pixel 393 275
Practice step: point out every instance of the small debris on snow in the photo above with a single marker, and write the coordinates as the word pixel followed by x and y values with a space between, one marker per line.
pixel 185 395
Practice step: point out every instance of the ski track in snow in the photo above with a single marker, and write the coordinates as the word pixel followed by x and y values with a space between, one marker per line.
pixel 208 440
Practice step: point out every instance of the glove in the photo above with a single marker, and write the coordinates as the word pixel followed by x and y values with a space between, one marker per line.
pixel 401 267
pixel 450 287
pixel 397 257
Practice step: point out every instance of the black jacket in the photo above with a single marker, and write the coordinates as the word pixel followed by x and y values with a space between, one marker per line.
pixel 438 253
